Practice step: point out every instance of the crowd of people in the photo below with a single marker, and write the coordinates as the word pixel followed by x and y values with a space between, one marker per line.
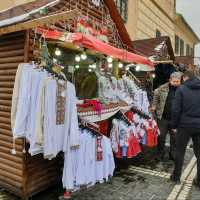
pixel 176 105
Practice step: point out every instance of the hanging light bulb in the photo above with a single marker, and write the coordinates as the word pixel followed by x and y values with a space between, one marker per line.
pixel 90 70
pixel 110 65
pixel 77 58
pixel 153 76
pixel 94 66
pixel 84 56
pixel 58 52
pixel 109 59
pixel 120 65
pixel 137 68
pixel 77 66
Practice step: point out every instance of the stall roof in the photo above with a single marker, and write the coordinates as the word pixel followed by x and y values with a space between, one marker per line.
pixel 147 47
pixel 30 11
pixel 185 60
pixel 94 44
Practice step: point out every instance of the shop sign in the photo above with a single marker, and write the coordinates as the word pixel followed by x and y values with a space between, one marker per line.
pixel 91 27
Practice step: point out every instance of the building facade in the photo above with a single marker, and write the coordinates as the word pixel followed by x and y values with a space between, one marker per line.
pixel 11 3
pixel 185 38
pixel 146 19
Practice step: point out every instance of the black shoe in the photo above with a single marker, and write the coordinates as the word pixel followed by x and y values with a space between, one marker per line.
pixel 175 180
pixel 196 183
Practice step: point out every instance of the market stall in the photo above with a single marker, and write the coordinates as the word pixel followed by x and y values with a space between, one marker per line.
pixel 161 53
pixel 57 39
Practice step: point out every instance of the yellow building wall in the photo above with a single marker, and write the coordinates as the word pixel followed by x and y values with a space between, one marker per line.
pixel 182 32
pixel 149 16
pixel 5 4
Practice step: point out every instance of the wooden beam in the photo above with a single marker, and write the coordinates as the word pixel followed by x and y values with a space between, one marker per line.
pixel 63 16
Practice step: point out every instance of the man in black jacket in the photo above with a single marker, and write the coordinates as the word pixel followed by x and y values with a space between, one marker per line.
pixel 186 120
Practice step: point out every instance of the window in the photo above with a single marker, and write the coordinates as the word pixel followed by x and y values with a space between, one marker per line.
pixel 188 50
pixel 182 48
pixel 122 6
pixel 177 44
pixel 158 33
pixel 191 52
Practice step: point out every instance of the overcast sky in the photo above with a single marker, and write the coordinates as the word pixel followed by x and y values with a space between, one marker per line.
pixel 190 9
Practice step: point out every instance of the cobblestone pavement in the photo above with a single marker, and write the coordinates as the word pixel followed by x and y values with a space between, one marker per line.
pixel 145 179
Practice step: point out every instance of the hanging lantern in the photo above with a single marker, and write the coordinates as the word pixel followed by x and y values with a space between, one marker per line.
pixel 94 66
pixel 109 59
pixel 77 58
pixel 58 52
pixel 120 65
pixel 84 56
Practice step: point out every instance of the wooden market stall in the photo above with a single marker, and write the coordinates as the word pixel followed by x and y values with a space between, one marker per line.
pixel 161 52
pixel 22 174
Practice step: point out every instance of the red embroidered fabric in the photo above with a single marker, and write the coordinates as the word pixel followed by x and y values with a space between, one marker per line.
pixel 152 135
pixel 133 149
pixel 103 127
pixel 129 115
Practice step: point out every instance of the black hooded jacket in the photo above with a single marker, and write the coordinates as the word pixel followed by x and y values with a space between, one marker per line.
pixel 186 105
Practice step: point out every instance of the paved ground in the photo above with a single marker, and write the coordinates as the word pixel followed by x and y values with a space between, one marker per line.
pixel 145 179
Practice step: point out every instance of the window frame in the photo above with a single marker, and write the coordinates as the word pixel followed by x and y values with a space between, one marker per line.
pixel 122 6
pixel 182 47
pixel 188 50
pixel 177 44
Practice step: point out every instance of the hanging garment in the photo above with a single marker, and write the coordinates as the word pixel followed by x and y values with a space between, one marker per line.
pixel 114 136
pixel 105 90
pixel 21 102
pixel 36 78
pixel 134 148
pixel 123 93
pixel 109 163
pixel 54 137
pixel 81 167
pixel 152 134
pixel 15 96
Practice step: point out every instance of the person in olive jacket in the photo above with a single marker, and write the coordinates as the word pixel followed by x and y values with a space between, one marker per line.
pixel 186 122
pixel 162 106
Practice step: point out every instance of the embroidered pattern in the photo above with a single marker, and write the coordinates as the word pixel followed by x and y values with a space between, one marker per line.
pixel 60 103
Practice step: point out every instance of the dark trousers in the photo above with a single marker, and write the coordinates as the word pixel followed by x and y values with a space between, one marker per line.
pixel 183 137
pixel 164 127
